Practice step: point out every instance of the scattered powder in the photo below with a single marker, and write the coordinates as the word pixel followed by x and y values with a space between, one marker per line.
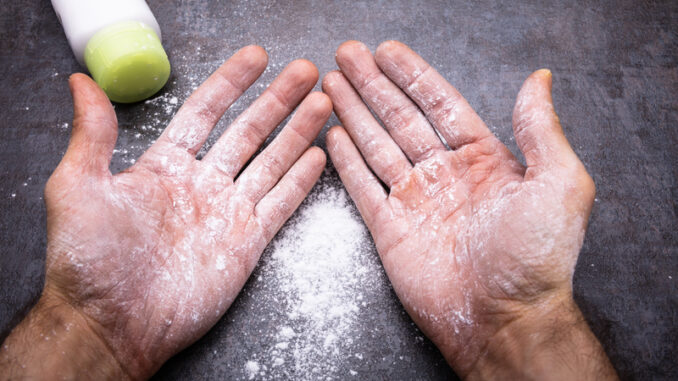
pixel 319 266
pixel 252 368
pixel 166 102
pixel 133 142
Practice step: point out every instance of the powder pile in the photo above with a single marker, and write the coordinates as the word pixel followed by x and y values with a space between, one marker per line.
pixel 320 263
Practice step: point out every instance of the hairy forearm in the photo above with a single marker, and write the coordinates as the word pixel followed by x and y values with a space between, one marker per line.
pixel 551 342
pixel 55 342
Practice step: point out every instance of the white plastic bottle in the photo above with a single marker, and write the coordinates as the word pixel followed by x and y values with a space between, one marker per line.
pixel 119 42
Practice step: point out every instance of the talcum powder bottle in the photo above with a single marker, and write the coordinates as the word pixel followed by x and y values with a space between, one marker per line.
pixel 119 43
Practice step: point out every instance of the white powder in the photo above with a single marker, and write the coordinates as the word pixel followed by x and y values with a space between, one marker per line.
pixel 221 263
pixel 319 265
pixel 135 141
pixel 252 368
pixel 166 102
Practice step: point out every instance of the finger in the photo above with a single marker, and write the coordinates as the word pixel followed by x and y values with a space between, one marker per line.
pixel 250 129
pixel 197 117
pixel 537 128
pixel 269 166
pixel 382 154
pixel 400 115
pixel 443 105
pixel 95 128
pixel 279 204
pixel 365 190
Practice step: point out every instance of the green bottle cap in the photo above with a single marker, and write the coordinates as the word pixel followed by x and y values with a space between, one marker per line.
pixel 128 62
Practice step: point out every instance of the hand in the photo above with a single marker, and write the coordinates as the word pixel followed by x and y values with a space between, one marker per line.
pixel 149 259
pixel 479 249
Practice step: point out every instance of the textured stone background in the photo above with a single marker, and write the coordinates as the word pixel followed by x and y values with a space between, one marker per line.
pixel 615 89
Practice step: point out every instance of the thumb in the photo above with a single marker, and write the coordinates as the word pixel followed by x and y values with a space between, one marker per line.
pixel 95 128
pixel 537 128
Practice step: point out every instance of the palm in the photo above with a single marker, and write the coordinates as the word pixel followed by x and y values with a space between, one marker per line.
pixel 179 252
pixel 461 249
pixel 468 236
pixel 154 256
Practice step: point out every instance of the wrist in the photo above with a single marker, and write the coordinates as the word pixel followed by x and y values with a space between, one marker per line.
pixel 548 341
pixel 56 341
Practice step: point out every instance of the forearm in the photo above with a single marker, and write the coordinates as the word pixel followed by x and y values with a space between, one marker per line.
pixel 55 342
pixel 551 342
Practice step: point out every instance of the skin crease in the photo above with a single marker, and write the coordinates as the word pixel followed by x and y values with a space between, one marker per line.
pixel 158 252
pixel 471 240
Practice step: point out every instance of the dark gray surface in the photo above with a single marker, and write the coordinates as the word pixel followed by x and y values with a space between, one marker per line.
pixel 615 88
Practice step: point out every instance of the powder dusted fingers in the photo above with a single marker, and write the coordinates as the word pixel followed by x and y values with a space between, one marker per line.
pixel 202 110
pixel 400 115
pixel 364 188
pixel 444 106
pixel 279 204
pixel 244 136
pixel 269 166
pixel 380 151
